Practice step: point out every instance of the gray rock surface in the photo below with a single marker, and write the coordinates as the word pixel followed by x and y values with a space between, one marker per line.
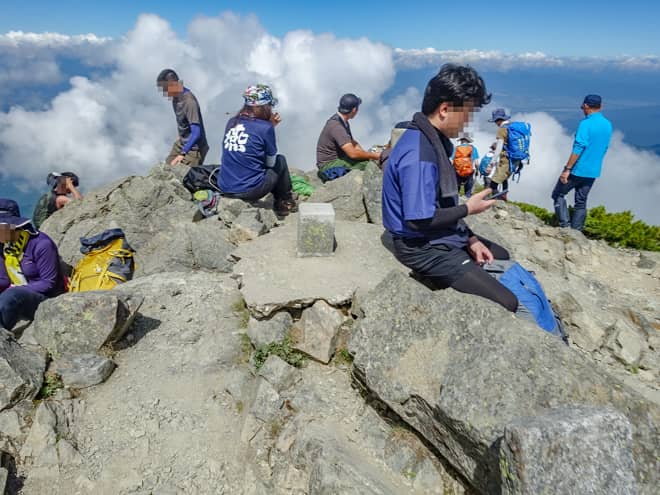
pixel 4 474
pixel 315 333
pixel 458 369
pixel 372 190
pixel 345 194
pixel 21 371
pixel 273 277
pixel 582 450
pixel 595 289
pixel 263 332
pixel 156 215
pixel 83 370
pixel 81 323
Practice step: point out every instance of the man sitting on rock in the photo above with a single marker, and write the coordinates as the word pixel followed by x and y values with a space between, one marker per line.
pixel 29 266
pixel 420 193
pixel 337 153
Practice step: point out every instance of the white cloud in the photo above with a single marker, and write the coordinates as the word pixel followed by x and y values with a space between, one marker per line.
pixel 119 124
pixel 496 60
pixel 17 38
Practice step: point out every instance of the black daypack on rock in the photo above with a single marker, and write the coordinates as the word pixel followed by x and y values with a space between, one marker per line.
pixel 200 178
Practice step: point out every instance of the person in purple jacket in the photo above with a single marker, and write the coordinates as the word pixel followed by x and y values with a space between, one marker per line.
pixel 29 267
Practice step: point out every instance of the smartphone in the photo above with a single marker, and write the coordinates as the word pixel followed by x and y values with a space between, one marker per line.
pixel 496 195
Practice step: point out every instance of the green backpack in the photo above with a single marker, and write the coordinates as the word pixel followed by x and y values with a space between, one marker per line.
pixel 44 208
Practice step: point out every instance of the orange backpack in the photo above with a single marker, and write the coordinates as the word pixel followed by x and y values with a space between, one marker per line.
pixel 463 160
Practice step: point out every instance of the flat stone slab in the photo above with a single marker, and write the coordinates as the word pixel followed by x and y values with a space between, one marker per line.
pixel 274 277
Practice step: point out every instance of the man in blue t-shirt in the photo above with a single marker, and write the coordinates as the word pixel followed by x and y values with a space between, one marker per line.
pixel 420 194
pixel 584 164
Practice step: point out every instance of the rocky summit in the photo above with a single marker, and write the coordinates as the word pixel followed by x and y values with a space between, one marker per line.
pixel 230 365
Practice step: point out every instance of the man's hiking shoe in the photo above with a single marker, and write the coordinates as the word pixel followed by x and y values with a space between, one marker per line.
pixel 285 206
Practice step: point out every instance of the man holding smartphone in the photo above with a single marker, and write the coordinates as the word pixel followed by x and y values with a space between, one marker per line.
pixel 584 164
pixel 420 193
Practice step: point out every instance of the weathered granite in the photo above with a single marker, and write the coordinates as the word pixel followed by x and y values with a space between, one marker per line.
pixel 82 322
pixel 583 450
pixel 458 368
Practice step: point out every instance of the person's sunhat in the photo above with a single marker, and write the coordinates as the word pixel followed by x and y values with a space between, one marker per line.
pixel 259 95
pixel 11 214
pixel 348 102
pixel 499 114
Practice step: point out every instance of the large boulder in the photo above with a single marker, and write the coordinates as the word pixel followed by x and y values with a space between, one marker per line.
pixel 82 322
pixel 21 371
pixel 156 215
pixel 582 450
pixel 345 194
pixel 458 368
pixel 372 189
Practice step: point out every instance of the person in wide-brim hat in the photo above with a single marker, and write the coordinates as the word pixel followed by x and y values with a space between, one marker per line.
pixel 29 266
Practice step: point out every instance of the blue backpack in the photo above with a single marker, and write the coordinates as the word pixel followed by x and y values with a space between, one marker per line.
pixel 532 301
pixel 519 134
pixel 484 162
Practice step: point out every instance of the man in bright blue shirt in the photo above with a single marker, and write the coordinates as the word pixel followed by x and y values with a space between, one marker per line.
pixel 421 210
pixel 584 165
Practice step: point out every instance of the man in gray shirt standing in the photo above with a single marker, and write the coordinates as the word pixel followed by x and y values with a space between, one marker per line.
pixel 191 146
pixel 337 153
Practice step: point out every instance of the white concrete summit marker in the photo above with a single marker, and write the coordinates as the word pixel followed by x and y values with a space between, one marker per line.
pixel 316 229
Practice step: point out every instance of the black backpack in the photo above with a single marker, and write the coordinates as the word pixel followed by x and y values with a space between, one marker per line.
pixel 200 178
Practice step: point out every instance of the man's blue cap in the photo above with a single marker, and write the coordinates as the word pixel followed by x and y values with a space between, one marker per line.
pixel 499 114
pixel 592 101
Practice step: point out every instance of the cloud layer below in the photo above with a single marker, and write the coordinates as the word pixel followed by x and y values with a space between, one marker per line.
pixel 117 123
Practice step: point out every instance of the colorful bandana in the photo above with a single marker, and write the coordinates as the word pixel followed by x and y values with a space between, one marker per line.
pixel 261 94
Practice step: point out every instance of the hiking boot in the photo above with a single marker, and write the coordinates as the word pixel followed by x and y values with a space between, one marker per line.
pixel 285 206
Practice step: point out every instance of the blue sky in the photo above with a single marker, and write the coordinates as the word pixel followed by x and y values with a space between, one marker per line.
pixel 561 27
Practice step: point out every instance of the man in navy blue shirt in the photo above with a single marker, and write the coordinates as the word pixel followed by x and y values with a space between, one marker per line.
pixel 584 164
pixel 420 193
pixel 191 146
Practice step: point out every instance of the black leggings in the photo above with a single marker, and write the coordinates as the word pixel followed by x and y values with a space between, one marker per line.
pixel 277 180
pixel 444 266
pixel 481 283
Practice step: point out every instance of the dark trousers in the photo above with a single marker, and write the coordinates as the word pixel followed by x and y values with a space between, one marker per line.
pixel 582 186
pixel 277 180
pixel 467 183
pixel 446 266
pixel 18 303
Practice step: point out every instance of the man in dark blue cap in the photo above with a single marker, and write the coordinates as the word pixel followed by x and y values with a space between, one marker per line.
pixel 584 164
pixel 337 153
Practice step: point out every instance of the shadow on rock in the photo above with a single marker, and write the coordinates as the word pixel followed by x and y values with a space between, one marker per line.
pixel 141 326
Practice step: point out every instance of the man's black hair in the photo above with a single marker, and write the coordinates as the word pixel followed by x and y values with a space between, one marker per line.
pixel 166 75
pixel 455 84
